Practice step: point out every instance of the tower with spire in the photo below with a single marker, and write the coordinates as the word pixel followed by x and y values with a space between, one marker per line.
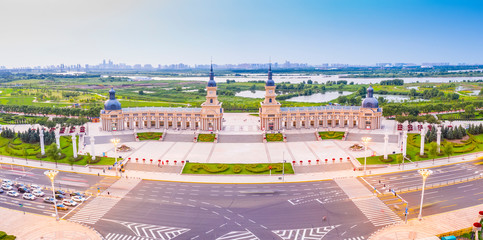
pixel 211 108
pixel 270 109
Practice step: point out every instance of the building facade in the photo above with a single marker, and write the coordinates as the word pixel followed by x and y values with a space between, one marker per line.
pixel 274 117
pixel 207 118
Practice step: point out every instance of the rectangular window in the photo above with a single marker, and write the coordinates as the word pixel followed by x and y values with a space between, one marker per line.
pixel 114 116
pixel 271 115
pixel 135 115
pixel 210 116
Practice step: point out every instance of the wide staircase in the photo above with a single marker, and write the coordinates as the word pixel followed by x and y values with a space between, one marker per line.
pixel 372 207
pixel 97 208
pixel 173 137
pixel 300 137
pixel 256 138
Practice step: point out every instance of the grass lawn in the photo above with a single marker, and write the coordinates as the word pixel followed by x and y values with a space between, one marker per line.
pixel 236 169
pixel 15 148
pixel 331 135
pixel 206 137
pixel 274 137
pixel 149 136
pixel 412 151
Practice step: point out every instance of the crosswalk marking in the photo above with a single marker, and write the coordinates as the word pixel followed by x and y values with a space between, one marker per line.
pixel 239 235
pixel 304 233
pixel 377 212
pixel 97 208
pixel 355 238
pixel 372 207
pixel 148 231
pixel 116 236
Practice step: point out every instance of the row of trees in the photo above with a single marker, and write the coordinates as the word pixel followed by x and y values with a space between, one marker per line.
pixel 33 136
pixel 398 82
pixel 475 129
pixel 391 109
pixel 449 133
pixel 62 111
pixel 421 119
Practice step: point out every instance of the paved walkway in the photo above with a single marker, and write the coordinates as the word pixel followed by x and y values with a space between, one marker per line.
pixel 430 226
pixel 30 226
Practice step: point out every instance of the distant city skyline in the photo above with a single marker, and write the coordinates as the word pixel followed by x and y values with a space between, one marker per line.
pixel 354 32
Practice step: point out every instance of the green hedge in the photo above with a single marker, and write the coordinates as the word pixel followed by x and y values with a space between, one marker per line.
pixel 149 136
pixel 331 135
pixel 206 137
pixel 274 137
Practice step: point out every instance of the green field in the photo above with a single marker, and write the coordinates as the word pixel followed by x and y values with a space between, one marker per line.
pixel 237 169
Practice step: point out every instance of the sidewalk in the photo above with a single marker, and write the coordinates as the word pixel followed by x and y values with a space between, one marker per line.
pixel 30 226
pixel 430 226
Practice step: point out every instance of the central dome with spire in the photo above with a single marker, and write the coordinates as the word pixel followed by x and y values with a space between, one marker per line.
pixel 211 82
pixel 270 81
pixel 112 103
pixel 370 101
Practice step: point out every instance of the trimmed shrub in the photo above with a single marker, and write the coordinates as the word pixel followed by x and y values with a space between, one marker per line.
pixel 237 169
pixel 39 155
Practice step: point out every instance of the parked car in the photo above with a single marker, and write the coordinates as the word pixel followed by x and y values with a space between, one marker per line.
pixel 19 185
pixel 59 196
pixel 78 194
pixel 49 200
pixel 78 198
pixel 38 193
pixel 6 181
pixel 62 207
pixel 1 190
pixel 28 196
pixel 59 192
pixel 69 202
pixel 23 190
pixel 7 187
pixel 35 186
pixel 12 193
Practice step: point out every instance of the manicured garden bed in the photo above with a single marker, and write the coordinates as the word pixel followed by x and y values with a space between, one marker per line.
pixel 331 135
pixel 236 169
pixel 471 145
pixel 149 136
pixel 274 137
pixel 206 137
pixel 14 147
pixel 5 236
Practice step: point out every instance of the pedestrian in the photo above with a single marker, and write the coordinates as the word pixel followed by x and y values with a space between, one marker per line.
pixel 98 174
pixel 104 170
pixel 108 193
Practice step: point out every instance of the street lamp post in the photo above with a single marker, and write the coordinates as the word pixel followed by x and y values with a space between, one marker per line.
pixel 366 141
pixel 115 141
pixel 425 174
pixel 51 175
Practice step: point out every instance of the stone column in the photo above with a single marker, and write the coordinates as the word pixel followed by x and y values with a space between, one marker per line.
pixel 42 147
pixel 421 151
pixel 93 152
pixel 405 143
pixel 74 145
pixel 438 139
pixel 386 141
pixel 57 140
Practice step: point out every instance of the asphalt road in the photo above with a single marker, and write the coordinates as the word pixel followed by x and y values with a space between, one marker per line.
pixel 235 211
pixel 404 181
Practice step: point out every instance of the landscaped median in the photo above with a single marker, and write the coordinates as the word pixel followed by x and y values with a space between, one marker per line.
pixel 331 135
pixel 149 136
pixel 5 236
pixel 237 168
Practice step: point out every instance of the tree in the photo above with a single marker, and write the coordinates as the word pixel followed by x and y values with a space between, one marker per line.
pixel 432 151
pixel 448 149
pixel 54 153
pixel 71 162
pixel 470 111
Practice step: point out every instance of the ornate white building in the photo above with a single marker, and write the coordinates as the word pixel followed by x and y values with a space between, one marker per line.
pixel 275 117
pixel 208 117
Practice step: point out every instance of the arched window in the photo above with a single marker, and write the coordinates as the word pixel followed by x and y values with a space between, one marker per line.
pixel 211 100
pixel 270 100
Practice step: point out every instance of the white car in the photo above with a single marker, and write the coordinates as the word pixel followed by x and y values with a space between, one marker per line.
pixel 8 182
pixel 69 202
pixel 78 199
pixel 12 194
pixel 34 186
pixel 7 187
pixel 28 196
pixel 38 193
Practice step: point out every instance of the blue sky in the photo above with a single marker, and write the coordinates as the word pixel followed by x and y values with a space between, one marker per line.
pixel 191 31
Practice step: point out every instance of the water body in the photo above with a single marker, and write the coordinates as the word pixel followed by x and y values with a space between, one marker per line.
pixel 251 94
pixel 297 78
pixel 319 97
pixel 398 98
